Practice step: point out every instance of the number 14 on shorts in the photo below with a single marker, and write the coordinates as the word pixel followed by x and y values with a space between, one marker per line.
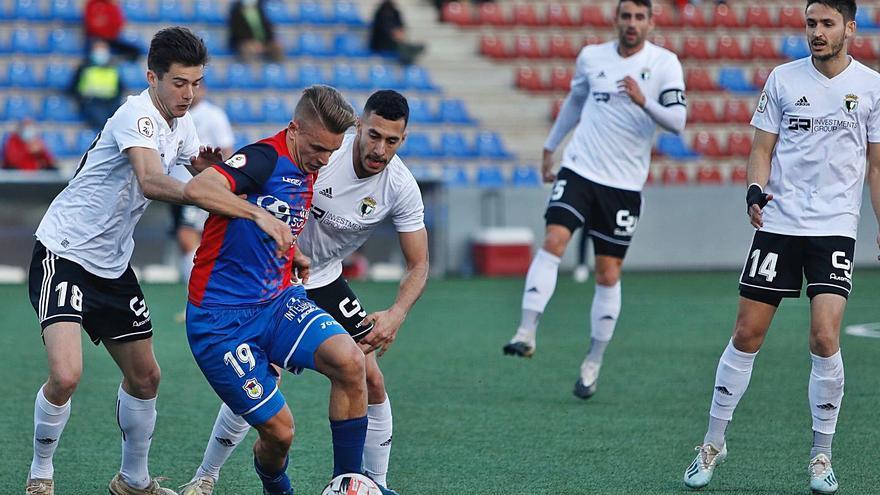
pixel 766 267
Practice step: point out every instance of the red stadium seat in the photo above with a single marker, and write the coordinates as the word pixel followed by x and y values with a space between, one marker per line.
pixel 524 15
pixel 650 179
pixel 492 46
pixel 725 17
pixel 706 144
pixel 457 13
pixel 592 39
pixel 792 17
pixel 490 13
pixel 759 16
pixel 560 78
pixel 739 175
pixel 699 80
pixel 736 111
pixel 526 46
pixel 695 47
pixel 728 48
pixel 664 16
pixel 702 112
pixel 554 109
pixel 593 15
pixel 673 175
pixel 561 47
pixel 738 144
pixel 763 47
pixel 692 16
pixel 663 41
pixel 709 174
pixel 529 79
pixel 863 49
pixel 759 79
pixel 558 15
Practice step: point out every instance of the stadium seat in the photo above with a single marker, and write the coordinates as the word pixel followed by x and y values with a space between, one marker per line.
pixel 241 111
pixel 276 76
pixel 757 16
pixel 674 147
pixel 314 44
pixel 762 47
pixel 58 76
pixel 794 47
pixel 310 74
pixel 453 111
pixel 241 76
pixel 709 174
pixel 525 176
pixel 347 13
pixel 791 17
pixel 664 16
pixel 18 107
pixel 593 15
pixel 416 77
pixel 457 13
pixel 728 48
pixel 278 12
pixel 560 78
pixel 699 79
pixel 492 46
pixel 529 79
pixel 383 77
pixel 454 145
pixel 555 107
pixel 134 76
pixel 736 111
pixel 591 39
pixel 27 42
pixel 139 11
pixel 420 112
pixel 695 47
pixel 417 144
pixel 524 14
pixel 135 38
pixel 21 75
pixel 759 78
pixel 314 13
pixel 489 145
pixel 738 144
pixel 862 49
pixel 29 10
pixel 664 42
pixel 216 44
pixel 275 110
pixel 66 41
pixel 490 177
pixel 349 44
pixel 674 175
pixel 702 112
pixel 526 46
pixel 864 19
pixel 456 177
pixel 725 17
pixel 66 10
pixel 215 77
pixel 558 15
pixel 491 14
pixel 560 46
pixel 692 17
pixel 84 140
pixel 734 79
pixel 345 76
pixel 706 144
pixel 210 12
pixel 739 175
pixel 177 11
pixel 60 109
pixel 57 144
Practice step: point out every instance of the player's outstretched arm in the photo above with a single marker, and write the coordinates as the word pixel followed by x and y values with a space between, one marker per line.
pixel 758 174
pixel 386 323
pixel 874 180
pixel 152 178
pixel 568 118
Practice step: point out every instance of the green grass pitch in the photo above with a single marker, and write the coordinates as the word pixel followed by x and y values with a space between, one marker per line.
pixel 471 421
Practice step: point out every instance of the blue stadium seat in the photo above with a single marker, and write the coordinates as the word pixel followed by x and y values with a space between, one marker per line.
pixel 526 176
pixel 29 10
pixel 242 139
pixel 794 47
pixel 135 38
pixel 734 79
pixel 276 111
pixel 675 147
pixel 415 77
pixel 454 145
pixel 216 43
pixel 489 145
pixel 276 76
pixel 211 12
pixel 453 111
pixel 60 109
pixel 278 12
pixel 241 111
pixel 420 112
pixel 347 13
pixel 241 76
pixel 345 76
pixel 19 107
pixel 865 18
pixel 139 11
pixel 215 77
pixel 56 141
pixel 176 11
pixel 310 74
pixel 314 13
pixel 490 176
pixel 456 177
pixel 134 77
pixel 381 77
pixel 351 45
pixel 84 141
pixel 312 44
pixel 58 76
pixel 66 42
pixel 21 75
pixel 66 10
pixel 26 41
pixel 418 145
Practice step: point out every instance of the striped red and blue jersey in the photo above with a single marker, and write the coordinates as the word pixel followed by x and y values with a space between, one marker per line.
pixel 236 264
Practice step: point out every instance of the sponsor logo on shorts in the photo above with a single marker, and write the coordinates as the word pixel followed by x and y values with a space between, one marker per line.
pixel 253 388
pixel 626 223
pixel 839 261
pixel 298 309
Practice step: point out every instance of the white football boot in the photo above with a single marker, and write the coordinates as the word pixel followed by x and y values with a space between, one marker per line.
pixel 585 387
pixel 699 473
pixel 522 344
pixel 201 485
pixel 822 479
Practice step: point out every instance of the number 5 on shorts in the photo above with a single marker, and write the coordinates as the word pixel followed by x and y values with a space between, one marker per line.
pixel 558 190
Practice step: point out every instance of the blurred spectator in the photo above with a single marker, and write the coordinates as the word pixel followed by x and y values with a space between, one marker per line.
pixel 389 34
pixel 104 20
pixel 97 86
pixel 24 150
pixel 251 33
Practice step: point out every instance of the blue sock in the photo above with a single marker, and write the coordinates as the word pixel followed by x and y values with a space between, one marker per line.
pixel 274 483
pixel 348 445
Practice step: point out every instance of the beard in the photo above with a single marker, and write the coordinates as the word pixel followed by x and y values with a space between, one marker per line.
pixel 834 51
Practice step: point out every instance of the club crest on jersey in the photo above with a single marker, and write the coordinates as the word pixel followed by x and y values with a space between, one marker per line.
pixel 368 206
pixel 145 127
pixel 253 388
pixel 645 74
pixel 236 161
pixel 850 102
pixel 762 102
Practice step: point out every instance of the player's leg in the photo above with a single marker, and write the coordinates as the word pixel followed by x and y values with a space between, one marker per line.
pixel 271 452
pixel 228 432
pixel 582 270
pixel 377 447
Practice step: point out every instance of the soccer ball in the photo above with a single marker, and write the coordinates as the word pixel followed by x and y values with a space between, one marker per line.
pixel 351 484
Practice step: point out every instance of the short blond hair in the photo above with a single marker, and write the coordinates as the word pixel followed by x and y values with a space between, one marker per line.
pixel 326 105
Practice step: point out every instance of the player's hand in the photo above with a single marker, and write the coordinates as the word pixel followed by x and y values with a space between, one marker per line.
pixel 276 229
pixel 756 200
pixel 385 326
pixel 207 156
pixel 629 86
pixel 547 172
pixel 301 266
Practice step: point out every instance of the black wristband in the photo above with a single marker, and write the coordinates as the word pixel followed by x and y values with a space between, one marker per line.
pixel 755 196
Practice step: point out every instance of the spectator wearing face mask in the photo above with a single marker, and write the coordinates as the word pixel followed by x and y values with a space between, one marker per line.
pixel 24 150
pixel 97 86
pixel 251 33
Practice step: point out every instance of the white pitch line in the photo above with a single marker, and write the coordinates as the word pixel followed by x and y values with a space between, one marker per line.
pixel 870 330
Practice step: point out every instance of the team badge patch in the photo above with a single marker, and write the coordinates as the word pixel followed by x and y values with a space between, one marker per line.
pixel 850 102
pixel 145 127
pixel 762 102
pixel 368 205
pixel 236 161
pixel 645 74
pixel 253 388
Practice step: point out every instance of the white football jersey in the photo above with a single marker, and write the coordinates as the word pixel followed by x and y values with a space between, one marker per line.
pixel 818 166
pixel 346 209
pixel 212 125
pixel 92 220
pixel 612 142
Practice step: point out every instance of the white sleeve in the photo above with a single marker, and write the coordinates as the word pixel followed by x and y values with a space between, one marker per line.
pixel 408 212
pixel 190 146
pixel 134 128
pixel 874 124
pixel 768 116
pixel 672 117
pixel 570 112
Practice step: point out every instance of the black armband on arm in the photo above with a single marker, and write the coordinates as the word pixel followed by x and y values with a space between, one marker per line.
pixel 672 97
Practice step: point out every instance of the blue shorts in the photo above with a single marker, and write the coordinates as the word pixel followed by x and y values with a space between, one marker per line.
pixel 234 347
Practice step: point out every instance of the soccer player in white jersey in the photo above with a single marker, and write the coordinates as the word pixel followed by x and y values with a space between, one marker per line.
pixel 621 91
pixel 816 121
pixel 80 274
pixel 364 183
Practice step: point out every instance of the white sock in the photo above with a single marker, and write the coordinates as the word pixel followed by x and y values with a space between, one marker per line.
pixel 377 447
pixel 137 419
pixel 540 281
pixel 185 265
pixel 49 422
pixel 826 392
pixel 731 382
pixel 603 316
pixel 229 430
